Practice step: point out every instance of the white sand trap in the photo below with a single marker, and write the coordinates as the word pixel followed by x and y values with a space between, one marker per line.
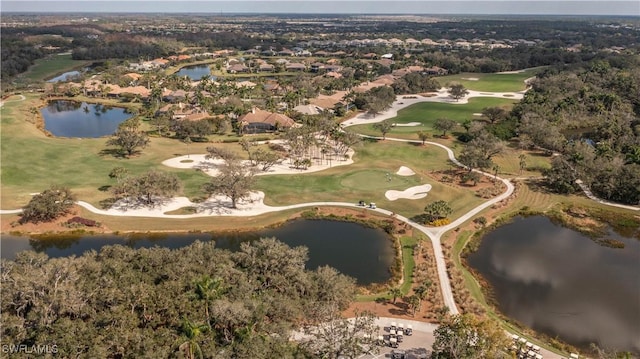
pixel 478 114
pixel 416 192
pixel 410 124
pixel 405 171
pixel 471 78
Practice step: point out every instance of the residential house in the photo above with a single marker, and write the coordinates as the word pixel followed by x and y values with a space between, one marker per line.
pixel 329 102
pixel 260 121
pixel 308 109
pixel 435 70
pixel 295 66
pixel 237 68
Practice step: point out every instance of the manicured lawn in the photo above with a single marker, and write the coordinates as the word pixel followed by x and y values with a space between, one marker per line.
pixel 490 82
pixel 366 180
pixel 32 162
pixel 427 113
pixel 46 68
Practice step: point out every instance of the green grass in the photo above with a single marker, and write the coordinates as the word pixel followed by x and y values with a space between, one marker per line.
pixel 49 67
pixel 366 180
pixel 32 162
pixel 408 264
pixel 490 82
pixel 427 113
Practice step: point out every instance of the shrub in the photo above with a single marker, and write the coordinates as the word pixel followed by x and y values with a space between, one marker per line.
pixel 83 221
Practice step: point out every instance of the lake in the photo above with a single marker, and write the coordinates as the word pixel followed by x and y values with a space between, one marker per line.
pixel 195 73
pixel 81 119
pixel 559 282
pixel 69 75
pixel 355 250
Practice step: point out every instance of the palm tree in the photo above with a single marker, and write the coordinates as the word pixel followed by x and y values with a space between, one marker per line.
pixel 423 290
pixel 208 289
pixel 192 331
pixel 395 292
pixel 414 302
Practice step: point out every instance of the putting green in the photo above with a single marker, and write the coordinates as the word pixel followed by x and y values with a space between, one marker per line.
pixel 376 180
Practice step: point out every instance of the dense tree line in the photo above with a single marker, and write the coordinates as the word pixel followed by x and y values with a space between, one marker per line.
pixel 151 303
pixel 122 49
pixel 17 55
pixel 590 114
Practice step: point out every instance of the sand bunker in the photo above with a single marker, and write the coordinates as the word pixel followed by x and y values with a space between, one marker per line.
pixel 470 78
pixel 410 124
pixel 405 171
pixel 416 192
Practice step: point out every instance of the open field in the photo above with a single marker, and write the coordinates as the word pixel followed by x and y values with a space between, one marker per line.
pixel 52 66
pixel 501 82
pixel 427 113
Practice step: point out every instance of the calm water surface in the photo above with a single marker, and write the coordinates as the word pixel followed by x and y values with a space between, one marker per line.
pixel 195 73
pixel 561 283
pixel 65 76
pixel 81 119
pixel 355 250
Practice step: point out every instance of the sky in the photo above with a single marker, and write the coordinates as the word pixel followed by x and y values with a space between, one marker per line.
pixel 498 7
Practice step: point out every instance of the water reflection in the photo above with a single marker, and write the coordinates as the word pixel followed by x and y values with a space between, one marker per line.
pixel 81 119
pixel 560 282
pixel 358 251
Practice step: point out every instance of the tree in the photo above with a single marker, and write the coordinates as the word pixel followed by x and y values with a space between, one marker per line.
pixel 384 127
pixel 423 136
pixel 523 162
pixel 338 337
pixel 436 210
pixel 395 292
pixel 561 176
pixel 467 337
pixel 128 139
pixel 208 289
pixel 377 99
pixel 479 152
pixel 494 114
pixel 119 173
pixel 423 290
pixel 414 302
pixel 162 122
pixel 192 331
pixel 149 188
pixel 233 180
pixel 222 153
pixel 48 205
pixel 457 91
pixel 444 125
pixel 187 141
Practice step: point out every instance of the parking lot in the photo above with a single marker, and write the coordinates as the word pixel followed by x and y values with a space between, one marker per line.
pixel 415 346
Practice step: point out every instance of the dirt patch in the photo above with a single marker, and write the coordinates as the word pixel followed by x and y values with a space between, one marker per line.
pixel 10 224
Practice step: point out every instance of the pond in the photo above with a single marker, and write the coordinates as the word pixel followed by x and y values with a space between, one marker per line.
pixel 560 282
pixel 81 119
pixel 69 75
pixel 195 73
pixel 361 252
